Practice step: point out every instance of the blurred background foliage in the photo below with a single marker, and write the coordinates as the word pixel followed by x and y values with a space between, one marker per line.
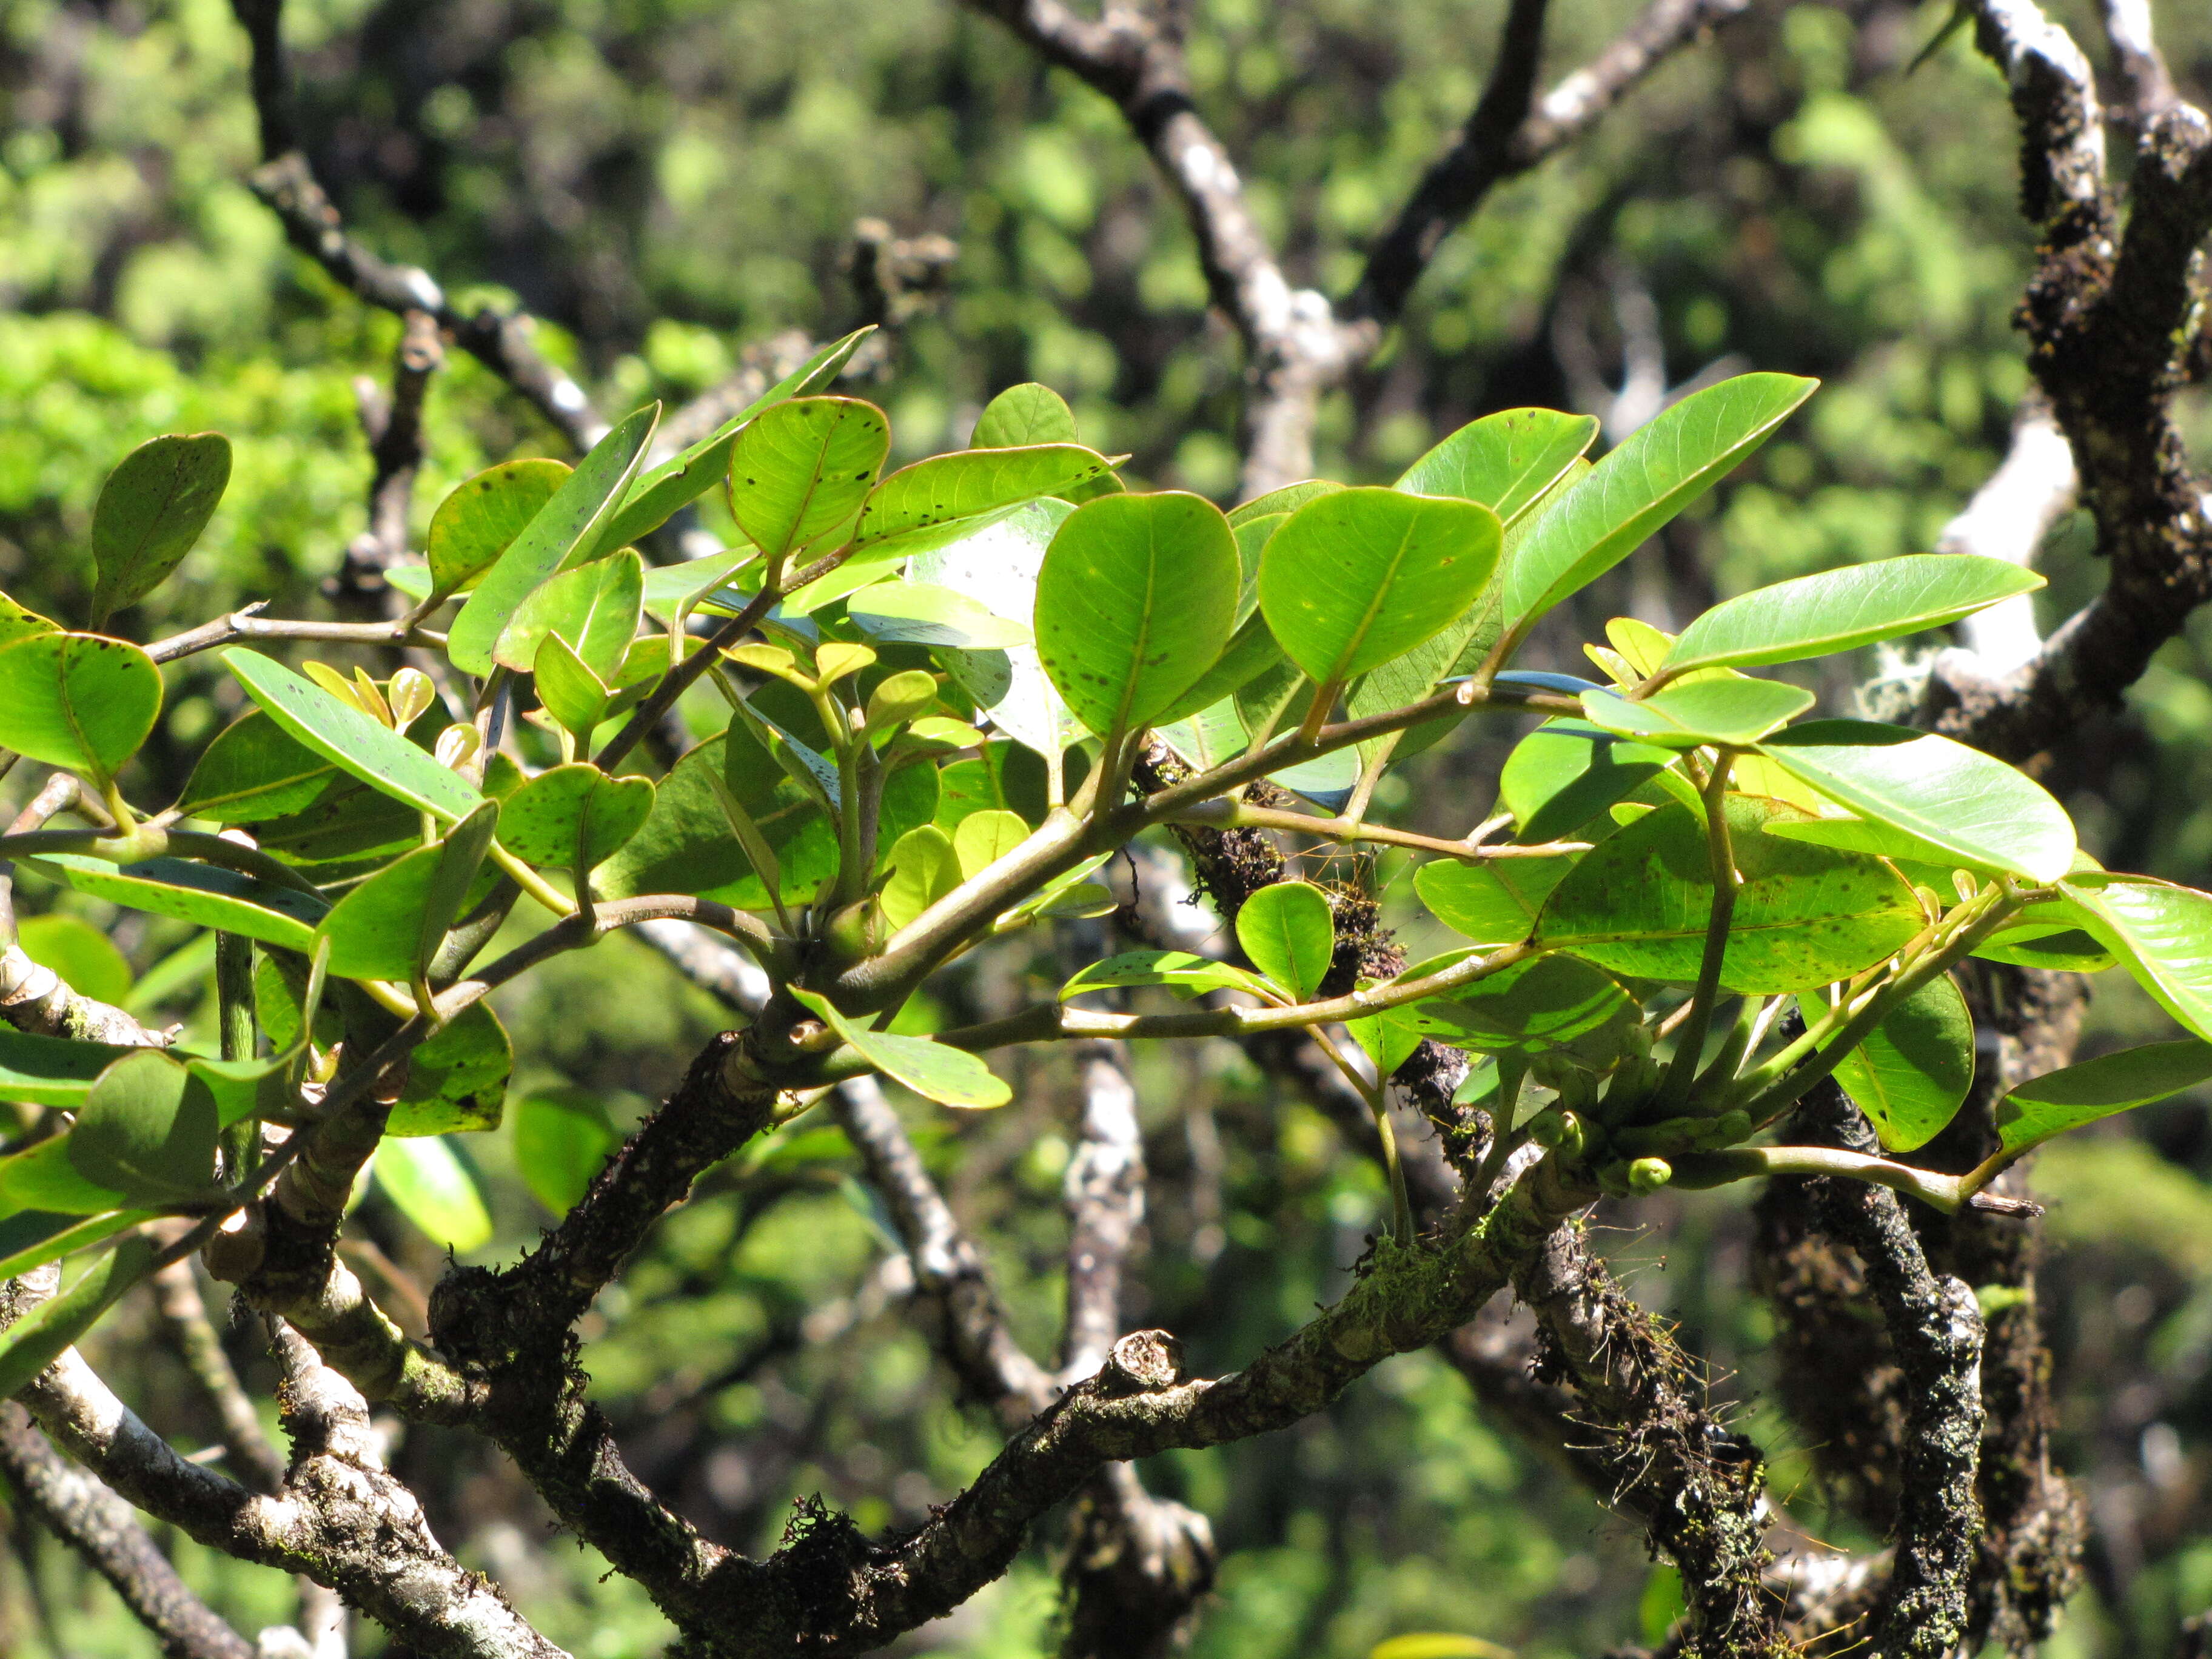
pixel 668 184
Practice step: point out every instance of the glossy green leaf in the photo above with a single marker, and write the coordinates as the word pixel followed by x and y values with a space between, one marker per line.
pixel 457 1080
pixel 1838 610
pixel 566 530
pixel 961 485
pixel 1027 414
pixel 2162 934
pixel 2062 1100
pixel 31 1238
pixel 198 893
pixel 951 1077
pixel 151 510
pixel 1638 902
pixel 1360 576
pixel 147 1130
pixel 1529 1007
pixel 39 1337
pixel 540 823
pixel 2056 950
pixel 924 869
pixel 47 1071
pixel 983 838
pixel 1289 933
pixel 593 607
pixel 1661 469
pixel 42 1178
pixel 481 517
pixel 1505 461
pixel 657 495
pixel 1735 710
pixel 85 959
pixel 1134 602
pixel 372 751
pixel 82 701
pixel 1881 840
pixel 922 613
pixel 562 1139
pixel 1565 773
pixel 433 1189
pixel 392 925
pixel 672 590
pixel 1494 902
pixel 1280 503
pixel 571 693
pixel 801 470
pixel 1913 1072
pixel 255 770
pixel 1179 971
pixel 1956 797
pixel 18 624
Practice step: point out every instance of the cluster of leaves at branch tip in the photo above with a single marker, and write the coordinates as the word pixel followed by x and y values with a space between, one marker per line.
pixel 923 695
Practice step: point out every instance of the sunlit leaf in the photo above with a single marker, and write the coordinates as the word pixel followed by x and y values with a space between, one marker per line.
pixel 433 1189
pixel 1505 461
pixel 1289 932
pixel 82 701
pixel 951 1077
pixel 151 510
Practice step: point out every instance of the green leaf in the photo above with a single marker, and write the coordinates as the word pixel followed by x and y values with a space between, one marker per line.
pixel 2162 934
pixel 17 624
pixel 1289 932
pixel 922 613
pixel 924 869
pixel 1733 710
pixel 1880 839
pixel 1024 414
pixel 479 520
pixel 1359 576
pixel 1956 797
pixel 539 823
pixel 39 1337
pixel 566 530
pixel 42 1178
pixel 31 1238
pixel 673 590
pixel 45 1071
pixel 1437 1644
pixel 1134 604
pixel 801 470
pixel 2062 1100
pixel 82 701
pixel 1186 974
pixel 2059 950
pixel 433 1189
pixel 951 1077
pixel 151 510
pixel 560 1140
pixel 390 925
pixel 1494 902
pixel 85 958
pixel 1250 653
pixel 1837 610
pixel 457 1081
pixel 1565 773
pixel 1661 468
pixel 1638 903
pixel 1505 461
pixel 255 770
pixel 593 607
pixel 983 838
pixel 1281 503
pixel 947 488
pixel 147 1130
pixel 380 757
pixel 571 692
pixel 1912 1072
pixel 1531 1006
pixel 1388 1038
pixel 198 893
pixel 656 496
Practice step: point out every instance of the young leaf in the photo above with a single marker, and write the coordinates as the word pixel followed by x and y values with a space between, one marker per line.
pixel 951 1077
pixel 1134 602
pixel 1494 902
pixel 255 770
pixel 1359 576
pixel 925 867
pixel 202 894
pixel 85 959
pixel 434 1190
pixel 1664 466
pixel 1837 610
pixel 147 1130
pixel 593 607
pixel 1737 711
pixel 540 822
pixel 566 530
pixel 922 613
pixel 983 838
pixel 1179 971
pixel 2062 1100
pixel 1943 792
pixel 2162 934
pixel 1505 461
pixel 82 701
pixel 479 520
pixel 151 510
pixel 1289 932
pixel 1638 902
pixel 372 751
pixel 1544 1003
pixel 457 1081
pixel 561 1140
pixel 38 1338
pixel 802 469
pixel 1912 1072
pixel 1565 773
pixel 1022 415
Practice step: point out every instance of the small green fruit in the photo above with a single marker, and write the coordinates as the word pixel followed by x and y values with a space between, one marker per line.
pixel 1649 1175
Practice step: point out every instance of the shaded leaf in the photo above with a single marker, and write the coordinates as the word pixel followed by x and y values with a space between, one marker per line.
pixel 39 1338
pixel 457 1080
pixel 1913 1072
pixel 1565 773
pixel 85 959
pixel 147 1130
pixel 256 770
pixel 198 893
pixel 151 510
pixel 560 1140
pixel 2062 1100
pixel 433 1189
pixel 1544 1003
pixel 922 613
